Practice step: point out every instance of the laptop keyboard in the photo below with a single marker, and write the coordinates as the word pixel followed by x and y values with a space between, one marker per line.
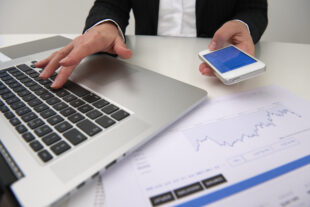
pixel 51 121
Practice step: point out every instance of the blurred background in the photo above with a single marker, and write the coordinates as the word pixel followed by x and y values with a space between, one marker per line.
pixel 289 21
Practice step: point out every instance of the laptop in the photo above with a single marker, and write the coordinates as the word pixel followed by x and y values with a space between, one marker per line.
pixel 54 141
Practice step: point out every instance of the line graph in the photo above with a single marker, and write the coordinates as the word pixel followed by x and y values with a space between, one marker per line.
pixel 238 128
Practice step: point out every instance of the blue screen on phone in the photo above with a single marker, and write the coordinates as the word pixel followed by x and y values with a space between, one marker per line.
pixel 228 59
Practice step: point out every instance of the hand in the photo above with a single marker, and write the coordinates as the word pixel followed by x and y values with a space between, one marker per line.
pixel 233 32
pixel 101 38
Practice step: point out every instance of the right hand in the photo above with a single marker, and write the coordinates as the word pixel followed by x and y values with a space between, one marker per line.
pixel 101 38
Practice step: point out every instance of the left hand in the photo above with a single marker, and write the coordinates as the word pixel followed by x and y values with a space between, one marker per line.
pixel 233 32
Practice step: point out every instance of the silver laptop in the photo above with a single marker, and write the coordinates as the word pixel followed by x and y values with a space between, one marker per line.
pixel 53 141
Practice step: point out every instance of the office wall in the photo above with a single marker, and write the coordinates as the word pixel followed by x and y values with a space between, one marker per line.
pixel 288 19
pixel 43 16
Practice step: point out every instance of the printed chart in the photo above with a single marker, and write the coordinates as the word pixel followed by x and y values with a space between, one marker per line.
pixel 226 148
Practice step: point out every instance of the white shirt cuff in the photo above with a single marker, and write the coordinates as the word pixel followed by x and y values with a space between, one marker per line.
pixel 109 20
pixel 243 23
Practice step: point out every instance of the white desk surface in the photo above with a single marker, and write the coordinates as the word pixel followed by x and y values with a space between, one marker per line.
pixel 287 63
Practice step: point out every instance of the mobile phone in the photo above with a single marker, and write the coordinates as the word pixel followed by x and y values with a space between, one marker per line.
pixel 232 65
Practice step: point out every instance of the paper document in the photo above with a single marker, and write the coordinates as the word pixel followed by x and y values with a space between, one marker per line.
pixel 248 149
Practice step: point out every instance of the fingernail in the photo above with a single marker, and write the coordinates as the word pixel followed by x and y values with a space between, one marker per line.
pixel 53 85
pixel 212 45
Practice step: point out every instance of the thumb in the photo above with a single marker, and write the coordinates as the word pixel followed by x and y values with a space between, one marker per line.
pixel 222 36
pixel 218 41
pixel 121 49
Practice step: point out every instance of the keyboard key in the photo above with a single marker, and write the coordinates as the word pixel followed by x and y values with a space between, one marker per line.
pixel 45 156
pixel 35 102
pixel 85 108
pixel 28 137
pixel 46 95
pixel 110 109
pixel 53 101
pixel 30 83
pixel 70 98
pixel 20 76
pixel 40 108
pixel 29 116
pixel 24 67
pixel 44 81
pixel 29 98
pixel 94 114
pixel 34 75
pixel 36 87
pixel 105 121
pixel 15 121
pixel 119 115
pixel 60 106
pixel 12 100
pixel 62 92
pixel 8 95
pixel 18 105
pixel 77 103
pixel 55 120
pixel 36 145
pixel 14 85
pixel 60 147
pixel 42 130
pixel 23 93
pixel 6 78
pixel 76 89
pixel 76 117
pixel 25 80
pixel 47 113
pixel 4 91
pixel 67 111
pixel 51 139
pixel 63 126
pixel 9 115
pixel 35 123
pixel 40 91
pixel 101 103
pixel 4 109
pixel 21 128
pixel 19 89
pixel 90 98
pixel 88 127
pixel 74 136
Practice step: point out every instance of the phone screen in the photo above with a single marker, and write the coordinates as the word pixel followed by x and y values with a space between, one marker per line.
pixel 228 59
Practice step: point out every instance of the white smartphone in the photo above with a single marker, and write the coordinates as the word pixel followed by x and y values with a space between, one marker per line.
pixel 231 65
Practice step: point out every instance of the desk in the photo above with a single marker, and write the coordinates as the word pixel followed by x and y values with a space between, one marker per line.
pixel 287 63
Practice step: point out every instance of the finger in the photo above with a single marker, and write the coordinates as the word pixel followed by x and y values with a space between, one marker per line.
pixel 43 63
pixel 247 46
pixel 121 49
pixel 205 69
pixel 222 36
pixel 75 56
pixel 62 76
pixel 53 63
pixel 84 45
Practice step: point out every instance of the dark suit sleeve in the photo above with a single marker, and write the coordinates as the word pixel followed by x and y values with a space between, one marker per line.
pixel 117 10
pixel 254 13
